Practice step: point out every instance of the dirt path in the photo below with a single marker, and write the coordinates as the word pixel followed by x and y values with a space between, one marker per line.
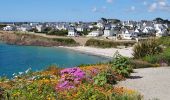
pixel 151 82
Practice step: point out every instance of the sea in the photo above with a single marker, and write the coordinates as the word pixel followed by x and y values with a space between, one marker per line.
pixel 15 59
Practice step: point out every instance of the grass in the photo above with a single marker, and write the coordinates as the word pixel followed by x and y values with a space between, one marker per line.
pixel 31 39
pixel 107 44
pixel 161 58
pixel 142 64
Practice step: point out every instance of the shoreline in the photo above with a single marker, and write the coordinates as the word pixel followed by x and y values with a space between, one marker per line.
pixel 34 40
pixel 100 52
pixel 107 52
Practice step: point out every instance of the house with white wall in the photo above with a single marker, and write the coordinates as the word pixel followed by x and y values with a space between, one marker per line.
pixel 95 33
pixel 40 28
pixel 127 34
pixel 24 28
pixel 61 27
pixel 161 30
pixel 80 28
pixel 72 32
pixel 108 31
pixel 8 28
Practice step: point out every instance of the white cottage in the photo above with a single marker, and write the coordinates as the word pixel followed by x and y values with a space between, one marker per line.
pixel 80 28
pixel 72 32
pixel 40 28
pixel 108 31
pixel 128 34
pixel 95 33
pixel 8 28
pixel 161 30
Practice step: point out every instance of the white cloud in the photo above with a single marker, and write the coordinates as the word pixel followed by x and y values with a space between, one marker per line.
pixel 99 10
pixel 145 3
pixel 94 9
pixel 162 5
pixel 109 1
pixel 152 7
pixel 132 8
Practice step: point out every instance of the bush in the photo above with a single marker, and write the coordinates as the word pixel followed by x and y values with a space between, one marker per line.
pixel 107 44
pixel 164 41
pixel 121 65
pixel 162 58
pixel 90 94
pixel 147 47
pixel 141 64
pixel 58 32
pixel 100 79
pixel 127 97
pixel 33 91
pixel 65 40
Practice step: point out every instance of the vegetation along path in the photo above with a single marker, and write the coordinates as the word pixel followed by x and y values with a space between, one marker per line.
pixel 153 83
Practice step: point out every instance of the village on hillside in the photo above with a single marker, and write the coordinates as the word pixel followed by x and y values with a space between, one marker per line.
pixel 107 28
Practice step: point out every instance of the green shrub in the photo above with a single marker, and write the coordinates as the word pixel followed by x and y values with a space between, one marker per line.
pixel 163 57
pixel 107 44
pixel 100 79
pixel 127 97
pixel 121 65
pixel 3 79
pixel 58 32
pixel 90 94
pixel 32 91
pixel 147 47
pixel 164 41
pixel 65 40
pixel 141 64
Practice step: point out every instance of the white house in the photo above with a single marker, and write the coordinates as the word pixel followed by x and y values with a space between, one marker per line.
pixel 95 33
pixel 8 28
pixel 108 31
pixel 137 31
pixel 100 25
pixel 24 28
pixel 61 27
pixel 80 28
pixel 128 34
pixel 39 28
pixel 72 32
pixel 90 26
pixel 161 30
pixel 148 30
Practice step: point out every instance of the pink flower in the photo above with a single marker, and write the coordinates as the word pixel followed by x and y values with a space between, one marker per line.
pixel 70 77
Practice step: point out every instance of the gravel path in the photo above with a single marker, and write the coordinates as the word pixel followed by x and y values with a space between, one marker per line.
pixel 150 82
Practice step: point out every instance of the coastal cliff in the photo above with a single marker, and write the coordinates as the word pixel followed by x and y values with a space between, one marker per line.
pixel 34 40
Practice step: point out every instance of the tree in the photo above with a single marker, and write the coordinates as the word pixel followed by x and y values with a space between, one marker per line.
pixel 46 30
pixel 104 20
pixel 159 20
pixel 58 32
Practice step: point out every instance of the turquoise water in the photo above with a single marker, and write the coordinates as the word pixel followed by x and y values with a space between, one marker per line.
pixel 14 59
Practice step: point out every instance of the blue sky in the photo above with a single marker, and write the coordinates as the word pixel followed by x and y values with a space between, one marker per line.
pixel 82 10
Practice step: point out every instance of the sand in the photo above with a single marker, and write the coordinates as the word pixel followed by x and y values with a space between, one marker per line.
pixel 108 52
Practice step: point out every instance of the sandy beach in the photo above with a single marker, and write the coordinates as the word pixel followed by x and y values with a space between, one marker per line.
pixel 108 52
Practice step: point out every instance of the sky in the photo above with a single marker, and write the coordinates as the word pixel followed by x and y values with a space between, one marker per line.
pixel 82 10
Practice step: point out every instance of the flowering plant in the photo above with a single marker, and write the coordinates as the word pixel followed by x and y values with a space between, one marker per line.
pixel 70 77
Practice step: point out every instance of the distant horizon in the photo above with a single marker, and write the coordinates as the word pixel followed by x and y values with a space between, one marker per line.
pixel 79 20
pixel 82 10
